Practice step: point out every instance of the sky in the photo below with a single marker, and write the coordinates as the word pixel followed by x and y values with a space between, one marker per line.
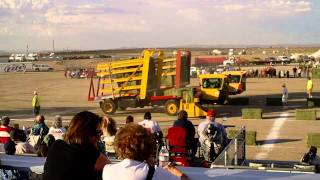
pixel 108 24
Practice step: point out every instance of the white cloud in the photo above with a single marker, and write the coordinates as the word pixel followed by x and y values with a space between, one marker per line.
pixel 190 14
pixel 18 4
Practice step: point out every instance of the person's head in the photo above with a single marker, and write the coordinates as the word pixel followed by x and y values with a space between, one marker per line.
pixel 134 142
pixel 35 92
pixel 129 119
pixel 283 85
pixel 57 121
pixel 110 125
pixel 5 121
pixel 49 139
pixel 211 115
pixel 309 78
pixel 40 119
pixel 84 128
pixel 10 147
pixel 18 135
pixel 182 115
pixel 147 116
pixel 313 150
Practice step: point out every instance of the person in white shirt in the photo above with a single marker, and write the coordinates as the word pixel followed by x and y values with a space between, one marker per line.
pixel 135 147
pixel 284 95
pixel 147 123
pixel 57 130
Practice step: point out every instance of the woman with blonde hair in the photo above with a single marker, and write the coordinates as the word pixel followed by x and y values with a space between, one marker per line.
pixel 57 130
pixel 135 147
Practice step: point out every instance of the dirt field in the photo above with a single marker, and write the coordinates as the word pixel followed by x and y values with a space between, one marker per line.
pixel 69 96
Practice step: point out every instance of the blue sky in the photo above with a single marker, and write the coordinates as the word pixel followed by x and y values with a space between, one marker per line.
pixel 104 24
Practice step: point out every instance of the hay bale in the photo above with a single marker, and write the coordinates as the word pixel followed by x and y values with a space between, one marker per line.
pixel 313 139
pixel 306 114
pixel 273 101
pixel 251 113
pixel 313 102
pixel 238 101
pixel 251 136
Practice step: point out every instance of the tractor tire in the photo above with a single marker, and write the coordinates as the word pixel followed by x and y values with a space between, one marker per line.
pixel 172 107
pixel 108 106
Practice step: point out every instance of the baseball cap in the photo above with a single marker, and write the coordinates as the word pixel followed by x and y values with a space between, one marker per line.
pixel 211 113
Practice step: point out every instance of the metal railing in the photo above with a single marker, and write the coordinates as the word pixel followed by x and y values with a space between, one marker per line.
pixel 235 153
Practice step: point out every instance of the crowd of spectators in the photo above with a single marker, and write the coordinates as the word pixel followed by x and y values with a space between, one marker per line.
pixel 83 149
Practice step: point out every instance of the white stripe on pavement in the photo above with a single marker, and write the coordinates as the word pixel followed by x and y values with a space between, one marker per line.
pixel 272 136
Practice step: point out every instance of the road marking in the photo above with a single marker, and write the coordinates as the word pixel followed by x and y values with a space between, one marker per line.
pixel 272 136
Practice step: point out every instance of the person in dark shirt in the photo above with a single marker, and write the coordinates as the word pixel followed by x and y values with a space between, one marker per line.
pixel 77 156
pixel 186 124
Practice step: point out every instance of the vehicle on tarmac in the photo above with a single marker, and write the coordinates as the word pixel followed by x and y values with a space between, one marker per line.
pixel 41 67
pixel 237 81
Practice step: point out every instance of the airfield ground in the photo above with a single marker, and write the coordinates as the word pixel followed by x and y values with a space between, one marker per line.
pixel 69 96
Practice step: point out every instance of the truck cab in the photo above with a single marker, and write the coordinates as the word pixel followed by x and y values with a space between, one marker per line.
pixel 214 88
pixel 237 81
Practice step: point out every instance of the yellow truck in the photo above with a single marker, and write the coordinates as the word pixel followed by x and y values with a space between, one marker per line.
pixel 237 81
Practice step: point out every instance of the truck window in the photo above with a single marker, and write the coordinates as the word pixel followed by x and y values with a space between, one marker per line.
pixel 212 83
pixel 234 78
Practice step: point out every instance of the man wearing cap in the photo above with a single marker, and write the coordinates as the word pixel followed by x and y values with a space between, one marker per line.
pixel 211 119
pixel 212 136
pixel 36 104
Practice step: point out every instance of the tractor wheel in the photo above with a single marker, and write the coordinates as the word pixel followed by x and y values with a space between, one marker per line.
pixel 172 107
pixel 108 106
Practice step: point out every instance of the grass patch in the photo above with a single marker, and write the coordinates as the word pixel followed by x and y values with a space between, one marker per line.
pixel 313 140
pixel 251 113
pixel 306 114
pixel 251 136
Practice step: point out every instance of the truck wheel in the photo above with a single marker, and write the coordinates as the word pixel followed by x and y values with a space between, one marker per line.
pixel 108 106
pixel 171 107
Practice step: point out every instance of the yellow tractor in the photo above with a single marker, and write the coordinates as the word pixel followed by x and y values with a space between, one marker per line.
pixel 213 88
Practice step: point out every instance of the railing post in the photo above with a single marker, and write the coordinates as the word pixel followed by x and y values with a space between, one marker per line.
pixel 225 158
pixel 236 151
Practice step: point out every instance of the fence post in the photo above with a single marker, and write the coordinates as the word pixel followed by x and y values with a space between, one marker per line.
pixel 236 151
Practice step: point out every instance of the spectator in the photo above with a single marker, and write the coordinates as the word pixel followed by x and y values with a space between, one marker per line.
pixel 149 124
pixel 212 135
pixel 109 130
pixel 77 156
pixel 309 87
pixel 36 103
pixel 57 130
pixel 294 72
pixel 285 95
pixel 22 146
pixel 135 147
pixel 129 119
pixel 40 128
pixel 10 147
pixel 311 158
pixel 5 129
pixel 186 124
